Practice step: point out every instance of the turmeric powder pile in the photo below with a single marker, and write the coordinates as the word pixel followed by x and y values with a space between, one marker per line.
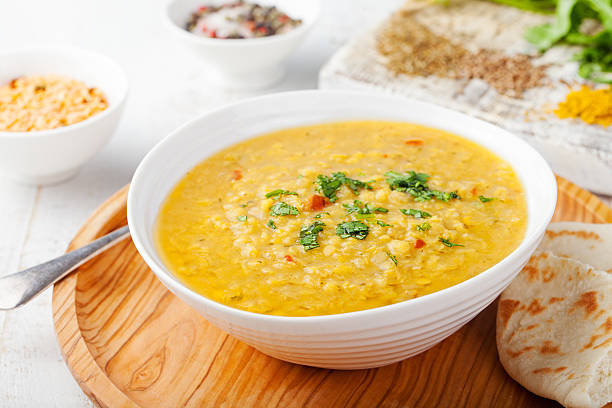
pixel 593 106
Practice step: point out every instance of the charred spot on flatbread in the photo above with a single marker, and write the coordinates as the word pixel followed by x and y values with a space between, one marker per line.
pixel 587 301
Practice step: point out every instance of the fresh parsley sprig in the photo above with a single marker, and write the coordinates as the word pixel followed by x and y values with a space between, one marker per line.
pixel 361 208
pixel 415 184
pixel 282 209
pixel 355 229
pixel 415 213
pixel 329 185
pixel 309 235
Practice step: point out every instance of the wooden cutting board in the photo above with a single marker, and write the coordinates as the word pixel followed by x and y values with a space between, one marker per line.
pixel 129 342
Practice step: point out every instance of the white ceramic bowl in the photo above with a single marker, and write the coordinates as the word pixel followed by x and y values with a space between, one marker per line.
pixel 51 156
pixel 354 340
pixel 243 63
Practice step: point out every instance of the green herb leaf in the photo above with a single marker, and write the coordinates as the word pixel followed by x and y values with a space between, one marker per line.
pixel 329 185
pixel 407 181
pixel 546 35
pixel 445 196
pixel 415 184
pixel 279 193
pixel 415 213
pixel 356 185
pixel 242 218
pixel 281 209
pixel 243 205
pixel 361 208
pixel 423 227
pixel 308 235
pixel 392 258
pixel 538 6
pixel 355 229
pixel 271 224
pixel 449 244
pixel 383 224
pixel 484 199
pixel 596 57
pixel 321 214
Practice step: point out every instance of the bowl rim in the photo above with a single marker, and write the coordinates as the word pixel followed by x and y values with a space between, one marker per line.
pixel 528 243
pixel 70 50
pixel 241 42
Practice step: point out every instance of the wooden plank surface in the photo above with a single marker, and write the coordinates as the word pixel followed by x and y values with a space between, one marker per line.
pixel 129 342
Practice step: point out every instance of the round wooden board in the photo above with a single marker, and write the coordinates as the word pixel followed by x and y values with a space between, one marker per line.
pixel 129 342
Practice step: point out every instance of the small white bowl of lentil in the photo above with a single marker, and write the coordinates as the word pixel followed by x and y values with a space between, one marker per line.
pixel 242 63
pixel 268 258
pixel 59 106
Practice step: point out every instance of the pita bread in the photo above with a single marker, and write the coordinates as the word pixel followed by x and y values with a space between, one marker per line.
pixel 554 329
pixel 588 243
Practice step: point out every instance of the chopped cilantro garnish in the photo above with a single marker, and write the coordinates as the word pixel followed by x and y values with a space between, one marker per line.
pixel 361 208
pixel 321 214
pixel 445 195
pixel 281 208
pixel 355 229
pixel 243 205
pixel 392 258
pixel 407 182
pixel 416 185
pixel 308 235
pixel 448 243
pixel 271 224
pixel 423 227
pixel 484 199
pixel 279 193
pixel 242 218
pixel 355 185
pixel 415 213
pixel 383 224
pixel 329 185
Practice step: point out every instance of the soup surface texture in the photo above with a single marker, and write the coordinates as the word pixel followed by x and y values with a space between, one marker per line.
pixel 340 217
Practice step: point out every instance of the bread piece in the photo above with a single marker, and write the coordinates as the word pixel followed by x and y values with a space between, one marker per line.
pixel 587 243
pixel 554 330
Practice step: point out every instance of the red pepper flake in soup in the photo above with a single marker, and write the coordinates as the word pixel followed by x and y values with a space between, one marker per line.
pixel 289 258
pixel 317 202
pixel 414 142
pixel 419 243
pixel 236 175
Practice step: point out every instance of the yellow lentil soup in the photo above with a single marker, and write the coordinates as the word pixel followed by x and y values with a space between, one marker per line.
pixel 340 217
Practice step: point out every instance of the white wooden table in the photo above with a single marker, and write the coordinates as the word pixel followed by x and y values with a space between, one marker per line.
pixel 167 88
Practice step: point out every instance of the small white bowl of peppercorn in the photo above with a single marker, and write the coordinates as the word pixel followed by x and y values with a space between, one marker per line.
pixel 244 44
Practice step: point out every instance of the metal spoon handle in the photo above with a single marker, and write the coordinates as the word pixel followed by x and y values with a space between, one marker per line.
pixel 19 288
